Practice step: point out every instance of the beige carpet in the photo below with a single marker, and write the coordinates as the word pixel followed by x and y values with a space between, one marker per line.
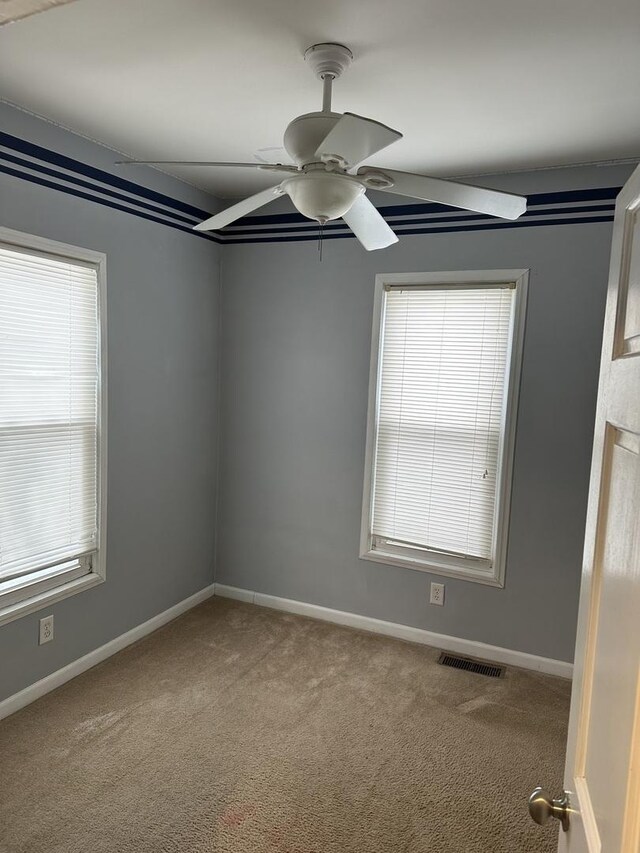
pixel 242 730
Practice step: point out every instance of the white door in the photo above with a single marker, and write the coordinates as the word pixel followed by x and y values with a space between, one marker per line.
pixel 602 772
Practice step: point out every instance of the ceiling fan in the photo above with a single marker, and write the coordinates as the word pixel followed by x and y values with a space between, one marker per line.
pixel 325 183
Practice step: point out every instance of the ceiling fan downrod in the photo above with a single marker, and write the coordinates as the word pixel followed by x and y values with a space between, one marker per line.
pixel 327 85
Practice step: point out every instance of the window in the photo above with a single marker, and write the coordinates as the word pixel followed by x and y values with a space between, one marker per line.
pixel 442 402
pixel 52 489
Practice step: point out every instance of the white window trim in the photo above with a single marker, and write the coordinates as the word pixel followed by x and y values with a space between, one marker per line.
pixel 491 574
pixel 57 586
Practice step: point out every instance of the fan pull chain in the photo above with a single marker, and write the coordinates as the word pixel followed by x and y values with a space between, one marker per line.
pixel 320 236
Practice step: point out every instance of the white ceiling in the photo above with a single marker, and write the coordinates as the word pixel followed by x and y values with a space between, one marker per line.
pixel 475 85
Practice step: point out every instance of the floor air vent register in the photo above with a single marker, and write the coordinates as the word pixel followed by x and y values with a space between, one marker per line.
pixel 480 667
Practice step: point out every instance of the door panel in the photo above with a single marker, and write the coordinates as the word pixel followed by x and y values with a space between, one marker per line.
pixel 605 737
pixel 629 316
pixel 602 774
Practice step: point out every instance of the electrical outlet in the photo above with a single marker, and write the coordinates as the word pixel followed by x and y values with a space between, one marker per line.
pixel 46 629
pixel 437 594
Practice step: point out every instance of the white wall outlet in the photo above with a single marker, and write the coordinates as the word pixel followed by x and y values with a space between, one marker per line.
pixel 437 594
pixel 46 629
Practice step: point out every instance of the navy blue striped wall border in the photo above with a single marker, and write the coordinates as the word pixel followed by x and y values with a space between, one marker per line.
pixel 30 162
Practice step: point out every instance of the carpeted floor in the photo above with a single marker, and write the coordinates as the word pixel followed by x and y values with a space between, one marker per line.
pixel 243 730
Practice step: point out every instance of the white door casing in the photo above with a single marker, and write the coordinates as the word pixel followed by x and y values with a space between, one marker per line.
pixel 602 771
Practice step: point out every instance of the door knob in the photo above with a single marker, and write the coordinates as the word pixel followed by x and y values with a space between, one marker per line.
pixel 542 807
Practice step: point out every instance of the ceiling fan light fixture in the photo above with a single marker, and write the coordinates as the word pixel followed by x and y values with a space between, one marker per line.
pixel 321 195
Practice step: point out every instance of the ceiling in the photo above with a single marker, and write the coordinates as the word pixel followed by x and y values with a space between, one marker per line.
pixel 475 87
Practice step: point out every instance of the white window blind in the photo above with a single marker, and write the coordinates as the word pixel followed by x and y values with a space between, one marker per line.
pixel 49 387
pixel 443 380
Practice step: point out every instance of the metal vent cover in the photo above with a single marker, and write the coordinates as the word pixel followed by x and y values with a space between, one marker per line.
pixel 481 667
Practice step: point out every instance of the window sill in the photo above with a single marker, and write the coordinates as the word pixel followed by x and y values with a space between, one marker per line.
pixel 51 596
pixel 432 566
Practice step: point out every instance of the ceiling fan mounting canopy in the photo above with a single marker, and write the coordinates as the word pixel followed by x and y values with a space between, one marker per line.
pixel 328 58
pixel 325 183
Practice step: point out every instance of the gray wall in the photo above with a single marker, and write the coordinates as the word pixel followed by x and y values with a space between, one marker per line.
pixel 295 350
pixel 163 288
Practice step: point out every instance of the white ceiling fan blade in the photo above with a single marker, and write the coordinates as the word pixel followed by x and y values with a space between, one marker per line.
pixel 272 154
pixel 368 225
pixel 15 10
pixel 274 167
pixel 478 199
pixel 237 211
pixel 354 138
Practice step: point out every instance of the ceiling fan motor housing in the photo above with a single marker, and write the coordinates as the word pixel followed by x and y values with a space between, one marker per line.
pixel 305 133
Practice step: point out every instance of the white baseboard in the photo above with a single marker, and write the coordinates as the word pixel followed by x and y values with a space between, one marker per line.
pixel 340 617
pixel 76 667
pixel 402 632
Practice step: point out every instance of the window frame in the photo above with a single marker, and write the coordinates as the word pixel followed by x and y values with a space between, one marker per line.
pixel 491 573
pixel 28 594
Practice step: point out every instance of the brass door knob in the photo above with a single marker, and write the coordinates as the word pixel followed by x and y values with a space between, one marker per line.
pixel 542 807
